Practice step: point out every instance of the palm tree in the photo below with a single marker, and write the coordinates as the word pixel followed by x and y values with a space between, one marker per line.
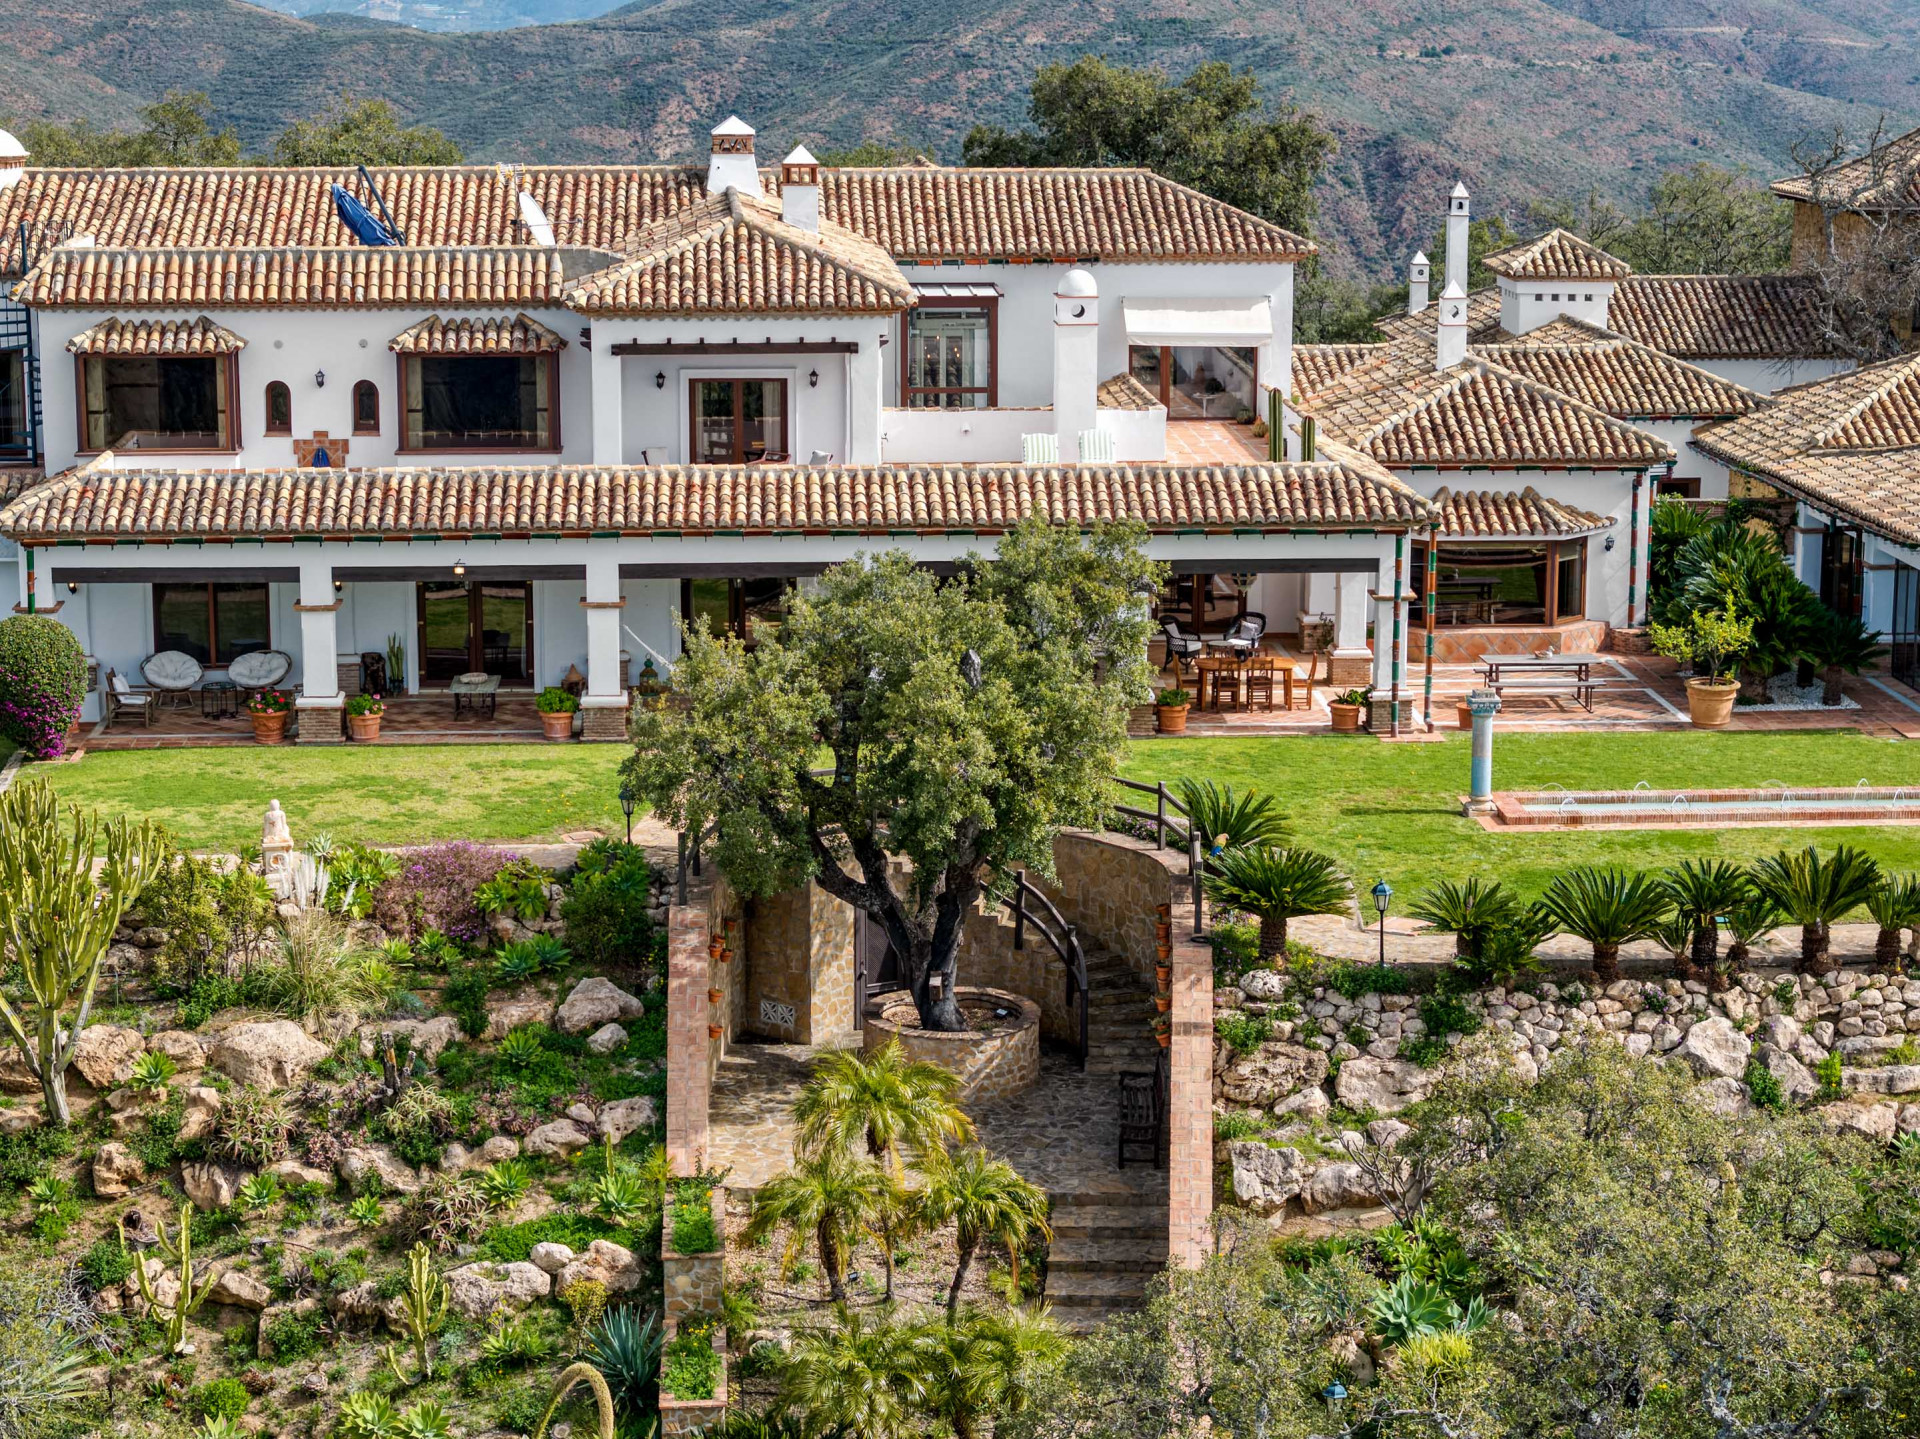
pixel 1814 891
pixel 1470 911
pixel 1701 891
pixel 985 1199
pixel 994 1361
pixel 1607 908
pixel 1755 915
pixel 1221 817
pixel 861 1375
pixel 1894 906
pixel 1836 645
pixel 1276 885
pixel 829 1197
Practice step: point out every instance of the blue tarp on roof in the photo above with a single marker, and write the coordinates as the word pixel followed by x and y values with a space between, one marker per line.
pixel 367 227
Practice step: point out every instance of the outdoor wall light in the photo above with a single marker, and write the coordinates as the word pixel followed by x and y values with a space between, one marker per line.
pixel 1382 897
pixel 1609 544
pixel 660 380
pixel 459 567
pixel 319 379
pixel 813 379
pixel 73 587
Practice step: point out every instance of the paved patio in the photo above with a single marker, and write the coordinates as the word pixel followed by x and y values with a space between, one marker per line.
pixel 1212 442
pixel 412 719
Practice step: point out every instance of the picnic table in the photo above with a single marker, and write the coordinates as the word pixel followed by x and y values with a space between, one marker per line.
pixel 1568 675
pixel 1579 666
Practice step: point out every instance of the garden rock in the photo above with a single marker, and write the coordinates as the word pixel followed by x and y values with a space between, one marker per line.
pixel 1385 1133
pixel 211 1186
pixel 1877 1122
pixel 15 1077
pixel 582 1115
pixel 1723 1096
pixel 1263 984
pixel 561 1137
pixel 594 1002
pixel 1261 1078
pixel 496 1150
pixel 1894 1079
pixel 1339 1186
pixel 165 1284
pixel 1386 1086
pixel 376 1161
pixel 292 1173
pixel 455 1158
pixel 19 1121
pixel 478 1290
pixel 1715 1049
pixel 243 1290
pixel 550 1257
pixel 625 1116
pixel 605 1262
pixel 268 1055
pixel 1796 1080
pixel 606 1039
pixel 116 1170
pixel 506 1015
pixel 181 1046
pixel 1309 1104
pixel 1264 1179
pixel 363 1302
pixel 424 1037
pixel 196 1119
pixel 105 1054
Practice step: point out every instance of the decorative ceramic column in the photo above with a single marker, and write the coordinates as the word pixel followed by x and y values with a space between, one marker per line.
pixel 1483 705
pixel 320 701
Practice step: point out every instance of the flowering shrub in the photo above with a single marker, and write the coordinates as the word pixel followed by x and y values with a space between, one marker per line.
pixel 269 702
pixel 43 679
pixel 434 890
pixel 365 705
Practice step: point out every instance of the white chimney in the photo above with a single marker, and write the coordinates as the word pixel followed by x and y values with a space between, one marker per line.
pixel 1450 343
pixel 800 189
pixel 1458 215
pixel 730 165
pixel 13 160
pixel 1076 360
pixel 1417 275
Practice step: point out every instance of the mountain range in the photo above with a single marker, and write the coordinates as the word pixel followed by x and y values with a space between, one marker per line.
pixel 1520 98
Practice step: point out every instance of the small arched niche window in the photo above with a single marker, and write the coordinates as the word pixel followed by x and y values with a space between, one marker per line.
pixel 366 408
pixel 279 409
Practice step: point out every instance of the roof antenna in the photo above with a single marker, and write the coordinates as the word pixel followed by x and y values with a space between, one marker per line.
pixel 385 214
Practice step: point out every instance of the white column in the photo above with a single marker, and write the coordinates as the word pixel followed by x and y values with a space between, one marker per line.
pixel 1076 361
pixel 1350 615
pixel 1384 654
pixel 863 402
pixel 609 431
pixel 603 605
pixel 320 699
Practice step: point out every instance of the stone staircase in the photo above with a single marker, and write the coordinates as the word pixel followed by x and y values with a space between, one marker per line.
pixel 1119 1017
pixel 1106 1246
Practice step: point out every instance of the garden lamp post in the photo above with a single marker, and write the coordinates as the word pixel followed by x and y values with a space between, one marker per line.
pixel 1382 897
pixel 627 801
pixel 1333 1394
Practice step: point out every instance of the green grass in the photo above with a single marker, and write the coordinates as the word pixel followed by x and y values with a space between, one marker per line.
pixel 1392 809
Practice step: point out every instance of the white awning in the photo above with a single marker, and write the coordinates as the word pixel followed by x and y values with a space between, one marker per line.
pixel 950 290
pixel 1232 322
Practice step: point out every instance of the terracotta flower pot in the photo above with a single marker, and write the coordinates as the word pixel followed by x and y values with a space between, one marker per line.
pixel 714 996
pixel 1346 718
pixel 1164 950
pixel 1463 714
pixel 1171 719
pixel 363 727
pixel 714 1031
pixel 714 946
pixel 269 728
pixel 1163 973
pixel 1163 1002
pixel 1710 705
pixel 1165 1036
pixel 557 726
pixel 726 954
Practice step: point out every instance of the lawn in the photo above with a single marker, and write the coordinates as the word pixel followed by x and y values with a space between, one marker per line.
pixel 1392 810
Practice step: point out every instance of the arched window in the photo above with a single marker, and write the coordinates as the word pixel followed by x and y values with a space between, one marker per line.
pixel 279 409
pixel 366 408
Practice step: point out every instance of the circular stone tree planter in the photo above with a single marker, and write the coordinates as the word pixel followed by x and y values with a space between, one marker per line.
pixel 996 1056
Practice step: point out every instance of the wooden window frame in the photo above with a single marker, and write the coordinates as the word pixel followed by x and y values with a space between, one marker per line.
pixel 1166 377
pixel 267 427
pixel 476 601
pixel 989 303
pixel 361 387
pixel 1429 556
pixel 739 451
pixel 234 442
pixel 551 358
pixel 214 662
pixel 10 453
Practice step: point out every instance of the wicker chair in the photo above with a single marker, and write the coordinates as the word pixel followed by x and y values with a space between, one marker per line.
pixel 1183 647
pixel 172 675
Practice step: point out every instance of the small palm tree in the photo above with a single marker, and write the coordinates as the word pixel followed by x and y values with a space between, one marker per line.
pixel 1755 915
pixel 1839 645
pixel 1702 890
pixel 993 1363
pixel 1815 890
pixel 1894 905
pixel 984 1198
pixel 1469 910
pixel 1607 908
pixel 859 1375
pixel 1276 885
pixel 830 1198
pixel 1228 820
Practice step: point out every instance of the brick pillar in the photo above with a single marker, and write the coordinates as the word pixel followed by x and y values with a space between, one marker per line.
pixel 689 1073
pixel 1190 1099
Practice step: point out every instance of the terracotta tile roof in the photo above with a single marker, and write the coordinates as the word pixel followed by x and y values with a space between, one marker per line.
pixel 1123 392
pixel 1483 318
pixel 1315 367
pixel 116 336
pixel 731 255
pixel 1503 514
pixel 16 480
pixel 356 276
pixel 922 213
pixel 1621 377
pixel 501 335
pixel 1557 255
pixel 104 503
pixel 1887 177
pixel 1722 317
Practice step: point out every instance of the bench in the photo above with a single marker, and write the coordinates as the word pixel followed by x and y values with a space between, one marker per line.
pixel 1578 690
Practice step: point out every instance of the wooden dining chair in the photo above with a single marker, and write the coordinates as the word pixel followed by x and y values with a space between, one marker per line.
pixel 1258 674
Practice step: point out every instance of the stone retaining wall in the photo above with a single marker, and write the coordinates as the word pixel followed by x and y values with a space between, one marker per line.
pixel 680 1418
pixel 692 1282
pixel 991 1066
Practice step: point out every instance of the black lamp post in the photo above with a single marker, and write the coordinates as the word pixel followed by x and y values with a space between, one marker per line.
pixel 1382 897
pixel 627 801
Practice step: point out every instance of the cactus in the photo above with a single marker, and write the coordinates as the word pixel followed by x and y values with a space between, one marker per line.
pixel 178 1252
pixel 423 1307
pixel 602 1398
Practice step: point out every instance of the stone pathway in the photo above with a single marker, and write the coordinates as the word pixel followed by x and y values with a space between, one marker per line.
pixel 751 1131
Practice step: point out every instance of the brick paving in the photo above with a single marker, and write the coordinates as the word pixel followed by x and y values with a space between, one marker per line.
pixel 1212 442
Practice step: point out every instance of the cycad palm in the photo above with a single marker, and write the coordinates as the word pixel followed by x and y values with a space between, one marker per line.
pixel 883 1101
pixel 1469 909
pixel 861 1375
pixel 1231 820
pixel 829 1197
pixel 1607 908
pixel 1814 890
pixel 993 1361
pixel 1894 905
pixel 1750 919
pixel 984 1198
pixel 1702 890
pixel 1276 885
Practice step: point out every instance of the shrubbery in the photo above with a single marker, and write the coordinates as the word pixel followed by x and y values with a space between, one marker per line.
pixel 434 890
pixel 606 909
pixel 43 680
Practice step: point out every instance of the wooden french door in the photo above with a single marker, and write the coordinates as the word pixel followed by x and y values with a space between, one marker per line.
pixel 876 966
pixel 475 626
pixel 737 422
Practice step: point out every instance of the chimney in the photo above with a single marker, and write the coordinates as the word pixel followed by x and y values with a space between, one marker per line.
pixel 800 189
pixel 1417 283
pixel 1076 360
pixel 1458 215
pixel 1450 343
pixel 730 164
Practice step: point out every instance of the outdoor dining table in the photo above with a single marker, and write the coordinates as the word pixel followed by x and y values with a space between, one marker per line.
pixel 1217 670
pixel 1579 666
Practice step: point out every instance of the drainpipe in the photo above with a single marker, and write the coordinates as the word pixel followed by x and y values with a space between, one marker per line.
pixel 1633 546
pixel 1399 578
pixel 1433 555
pixel 29 550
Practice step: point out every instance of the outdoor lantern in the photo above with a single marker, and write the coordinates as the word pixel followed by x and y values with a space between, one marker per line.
pixel 459 568
pixel 659 379
pixel 813 379
pixel 1382 896
pixel 73 587
pixel 1334 1393
pixel 319 379
pixel 627 800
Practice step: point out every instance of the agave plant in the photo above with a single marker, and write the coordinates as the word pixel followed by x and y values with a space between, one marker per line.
pixel 525 959
pixel 1702 890
pixel 1470 910
pixel 621 1196
pixel 1838 645
pixel 365 1415
pixel 1276 885
pixel 151 1071
pixel 1607 907
pixel 625 1348
pixel 365 1211
pixel 515 1344
pixel 1226 820
pixel 522 1046
pixel 258 1192
pixel 1410 1307
pixel 502 1185
pixel 1814 891
pixel 1894 905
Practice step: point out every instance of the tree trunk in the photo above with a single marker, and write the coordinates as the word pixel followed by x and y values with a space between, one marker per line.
pixel 967 1246
pixel 53 1087
pixel 1803 674
pixel 1737 956
pixel 1886 951
pixel 829 1260
pixel 1706 950
pixel 1815 949
pixel 1831 694
pixel 1606 963
pixel 1273 938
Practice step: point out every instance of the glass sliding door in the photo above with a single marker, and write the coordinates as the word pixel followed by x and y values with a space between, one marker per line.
pixel 475 626
pixel 1199 382
pixel 738 422
pixel 736 609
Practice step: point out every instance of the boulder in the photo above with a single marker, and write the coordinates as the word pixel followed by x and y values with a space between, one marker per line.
pixel 363 1302
pixel 594 1002
pixel 211 1186
pixel 605 1262
pixel 269 1054
pixel 559 1138
pixel 427 1038
pixel 15 1077
pixel 582 1115
pixel 550 1257
pixel 292 1173
pixel 164 1282
pixel 479 1290
pixel 1723 1096
pixel 1264 1179
pixel 606 1039
pixel 1262 1078
pixel 506 1015
pixel 181 1046
pixel 105 1054
pixel 500 1147
pixel 1715 1049
pixel 1339 1186
pixel 1263 984
pixel 233 1287
pixel 1309 1104
pixel 19 1121
pixel 455 1158
pixel 1782 1031
pixel 369 1162
pixel 1877 1122
pixel 1385 1133
pixel 625 1116
pixel 116 1170
pixel 1385 1086
pixel 1894 1079
pixel 202 1107
pixel 1796 1080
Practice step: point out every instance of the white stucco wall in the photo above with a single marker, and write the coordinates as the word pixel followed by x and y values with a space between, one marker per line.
pixel 1689 463
pixel 1526 305
pixel 1771 376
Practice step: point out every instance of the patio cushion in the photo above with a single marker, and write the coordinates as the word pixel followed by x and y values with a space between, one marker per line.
pixel 259 669
pixel 172 670
pixel 118 683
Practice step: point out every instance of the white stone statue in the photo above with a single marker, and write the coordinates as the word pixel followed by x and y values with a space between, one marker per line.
pixel 276 840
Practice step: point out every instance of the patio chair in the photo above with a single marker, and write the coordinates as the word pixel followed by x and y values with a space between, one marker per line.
pixel 261 669
pixel 118 695
pixel 1183 647
pixel 1096 447
pixel 172 675
pixel 1042 449
pixel 1243 635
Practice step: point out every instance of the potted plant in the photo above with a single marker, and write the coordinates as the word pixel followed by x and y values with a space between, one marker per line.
pixel 268 710
pixel 1712 642
pixel 1463 712
pixel 1162 1000
pixel 1163 1029
pixel 556 708
pixel 1346 707
pixel 363 716
pixel 1170 710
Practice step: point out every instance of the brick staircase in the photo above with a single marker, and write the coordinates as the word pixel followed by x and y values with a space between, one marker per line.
pixel 1119 1017
pixel 1106 1246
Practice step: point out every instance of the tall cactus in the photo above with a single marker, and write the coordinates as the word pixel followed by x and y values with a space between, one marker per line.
pixel 178 1252
pixel 422 1308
